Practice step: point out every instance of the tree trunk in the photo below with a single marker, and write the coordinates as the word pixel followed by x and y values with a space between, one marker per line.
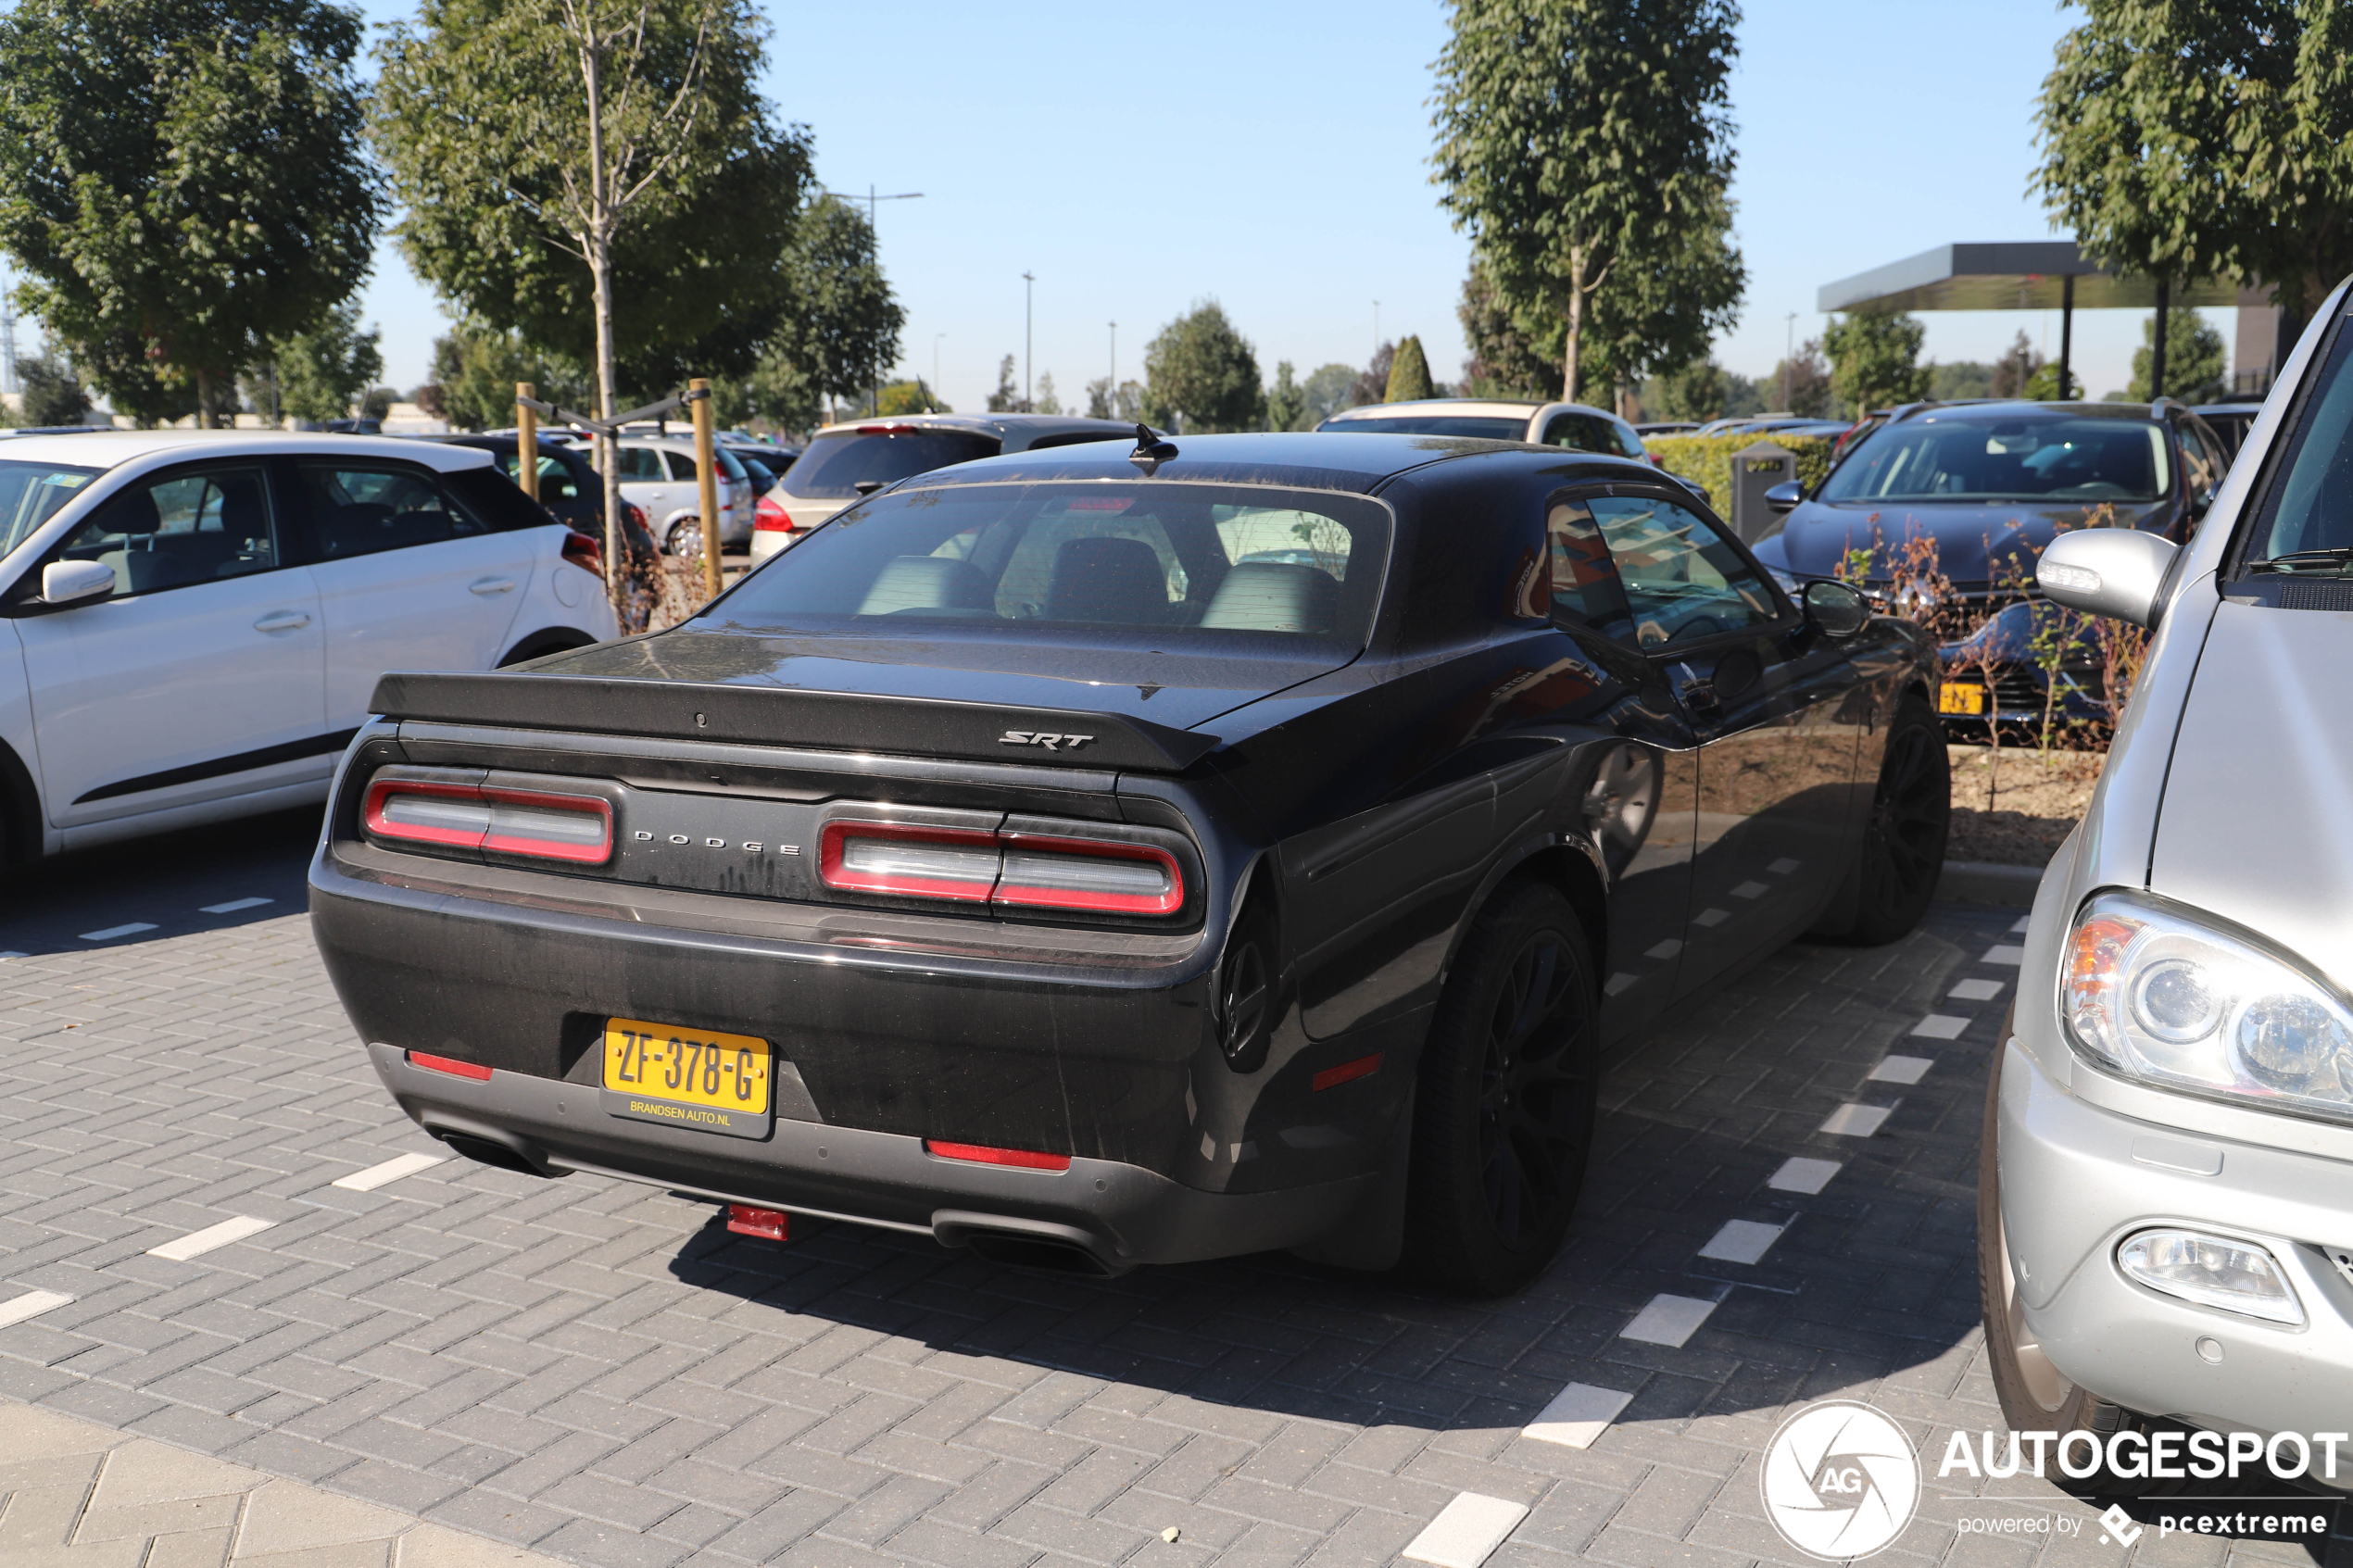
pixel 600 249
pixel 1576 324
pixel 204 416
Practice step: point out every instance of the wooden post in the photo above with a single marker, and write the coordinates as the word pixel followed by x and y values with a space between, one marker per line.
pixel 707 475
pixel 526 441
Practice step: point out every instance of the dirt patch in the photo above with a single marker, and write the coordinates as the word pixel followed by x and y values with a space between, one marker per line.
pixel 2018 812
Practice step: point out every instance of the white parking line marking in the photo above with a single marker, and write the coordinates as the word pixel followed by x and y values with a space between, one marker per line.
pixel 1975 990
pixel 233 905
pixel 110 932
pixel 197 1243
pixel 1784 866
pixel 2019 928
pixel 1800 1174
pixel 1665 949
pixel 390 1170
pixel 2006 953
pixel 1941 1026
pixel 1903 1068
pixel 32 1303
pixel 1466 1531
pixel 1577 1415
pixel 1618 982
pixel 1711 917
pixel 1742 1241
pixel 1669 1320
pixel 1857 1120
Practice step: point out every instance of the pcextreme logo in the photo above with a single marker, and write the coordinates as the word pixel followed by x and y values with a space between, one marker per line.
pixel 1840 1480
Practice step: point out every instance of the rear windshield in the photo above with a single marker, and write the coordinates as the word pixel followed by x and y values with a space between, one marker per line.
pixel 32 493
pixel 1482 427
pixel 1179 567
pixel 1950 457
pixel 2306 523
pixel 835 463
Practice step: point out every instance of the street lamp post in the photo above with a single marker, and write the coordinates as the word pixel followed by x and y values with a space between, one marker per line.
pixel 1114 369
pixel 1788 352
pixel 1028 336
pixel 872 202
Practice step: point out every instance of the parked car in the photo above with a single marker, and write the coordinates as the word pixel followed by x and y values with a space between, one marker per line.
pixel 1666 427
pixel 776 459
pixel 570 487
pixel 844 462
pixel 2033 663
pixel 2230 422
pixel 1991 484
pixel 1255 847
pixel 1570 425
pixel 1762 426
pixel 658 475
pixel 2165 1223
pixel 200 619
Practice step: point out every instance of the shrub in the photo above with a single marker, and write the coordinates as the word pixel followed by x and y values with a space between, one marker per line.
pixel 1706 460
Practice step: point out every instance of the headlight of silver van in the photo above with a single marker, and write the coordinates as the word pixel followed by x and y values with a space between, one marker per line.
pixel 2157 992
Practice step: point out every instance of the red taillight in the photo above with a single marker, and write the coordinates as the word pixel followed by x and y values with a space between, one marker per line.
pixel 982 1154
pixel 451 1065
pixel 635 515
pixel 769 1224
pixel 770 517
pixel 1009 870
pixel 910 859
pixel 584 552
pixel 507 821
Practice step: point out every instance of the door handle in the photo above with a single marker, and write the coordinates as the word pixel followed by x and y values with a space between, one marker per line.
pixel 486 586
pixel 282 621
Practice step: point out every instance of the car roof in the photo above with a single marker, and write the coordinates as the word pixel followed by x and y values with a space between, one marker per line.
pixel 983 424
pixel 2017 408
pixel 1304 459
pixel 112 448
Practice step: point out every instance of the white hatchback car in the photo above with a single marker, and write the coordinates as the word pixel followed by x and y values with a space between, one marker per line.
pixel 658 477
pixel 197 620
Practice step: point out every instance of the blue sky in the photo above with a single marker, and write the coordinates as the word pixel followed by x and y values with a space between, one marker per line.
pixel 1274 157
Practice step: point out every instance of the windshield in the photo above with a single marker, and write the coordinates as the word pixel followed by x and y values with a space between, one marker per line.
pixel 837 462
pixel 2307 521
pixel 30 495
pixel 1482 427
pixel 1948 457
pixel 1189 567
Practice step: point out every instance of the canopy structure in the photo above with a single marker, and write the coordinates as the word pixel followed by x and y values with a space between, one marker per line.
pixel 2028 275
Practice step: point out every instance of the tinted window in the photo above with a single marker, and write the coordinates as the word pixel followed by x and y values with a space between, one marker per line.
pixel 31 493
pixel 641 464
pixel 1682 581
pixel 181 528
pixel 1582 433
pixel 1479 427
pixel 835 464
pixel 762 477
pixel 1187 566
pixel 497 504
pixel 555 480
pixel 2310 509
pixel 362 510
pixel 1948 457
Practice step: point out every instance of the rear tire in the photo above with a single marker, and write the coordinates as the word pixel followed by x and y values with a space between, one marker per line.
pixel 685 539
pixel 1504 1109
pixel 1903 851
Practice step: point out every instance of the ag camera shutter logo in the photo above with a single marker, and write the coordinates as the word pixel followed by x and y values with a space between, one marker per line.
pixel 1840 1480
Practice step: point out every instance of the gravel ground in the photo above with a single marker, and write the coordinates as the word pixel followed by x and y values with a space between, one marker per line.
pixel 2016 809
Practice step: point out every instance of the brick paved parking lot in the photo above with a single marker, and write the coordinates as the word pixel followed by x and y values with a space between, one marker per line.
pixel 258 1264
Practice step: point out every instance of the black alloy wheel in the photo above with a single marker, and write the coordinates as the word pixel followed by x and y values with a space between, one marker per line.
pixel 1504 1118
pixel 1903 848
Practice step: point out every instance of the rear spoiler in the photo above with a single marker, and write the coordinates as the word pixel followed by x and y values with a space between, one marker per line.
pixel 790 716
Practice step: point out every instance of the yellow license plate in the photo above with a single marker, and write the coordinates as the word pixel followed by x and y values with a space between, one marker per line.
pixel 692 1078
pixel 1960 696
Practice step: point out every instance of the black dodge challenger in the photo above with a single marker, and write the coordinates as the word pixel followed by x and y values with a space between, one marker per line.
pixel 1098 858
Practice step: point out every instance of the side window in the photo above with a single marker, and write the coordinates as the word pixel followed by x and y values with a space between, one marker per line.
pixel 1584 584
pixel 363 509
pixel 180 528
pixel 682 467
pixel 1628 441
pixel 555 483
pixel 1682 581
pixel 1582 433
pixel 2203 464
pixel 640 464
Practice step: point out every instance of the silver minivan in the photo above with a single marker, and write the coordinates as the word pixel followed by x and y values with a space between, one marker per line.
pixel 2166 1199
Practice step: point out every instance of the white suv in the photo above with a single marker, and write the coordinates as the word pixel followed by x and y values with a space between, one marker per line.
pixel 197 620
pixel 657 476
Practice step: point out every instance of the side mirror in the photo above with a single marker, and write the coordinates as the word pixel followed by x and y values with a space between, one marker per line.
pixel 1785 495
pixel 2111 571
pixel 70 582
pixel 1837 610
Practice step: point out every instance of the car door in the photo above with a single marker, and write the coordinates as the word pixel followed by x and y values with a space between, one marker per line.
pixel 200 676
pixel 1768 701
pixel 408 579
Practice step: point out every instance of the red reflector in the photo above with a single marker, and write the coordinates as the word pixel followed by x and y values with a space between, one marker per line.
pixel 769 1224
pixel 507 821
pixel 451 1065
pixel 1346 1072
pixel 909 859
pixel 982 1154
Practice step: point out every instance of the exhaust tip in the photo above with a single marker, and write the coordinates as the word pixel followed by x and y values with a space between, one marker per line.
pixel 487 1148
pixel 1039 1252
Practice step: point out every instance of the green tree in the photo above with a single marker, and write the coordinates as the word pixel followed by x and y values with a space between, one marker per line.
pixel 1961 378
pixel 2190 139
pixel 1371 383
pixel 1506 362
pixel 1329 390
pixel 1586 147
pixel 1006 399
pixel 477 368
pixel 51 393
pixel 318 375
pixel 2194 365
pixel 1694 391
pixel 2014 371
pixel 1047 401
pixel 910 397
pixel 182 181
pixel 1874 360
pixel 1800 384
pixel 1409 373
pixel 1287 400
pixel 1200 375
pixel 601 177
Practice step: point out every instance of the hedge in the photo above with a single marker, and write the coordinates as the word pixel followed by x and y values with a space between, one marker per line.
pixel 1706 460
